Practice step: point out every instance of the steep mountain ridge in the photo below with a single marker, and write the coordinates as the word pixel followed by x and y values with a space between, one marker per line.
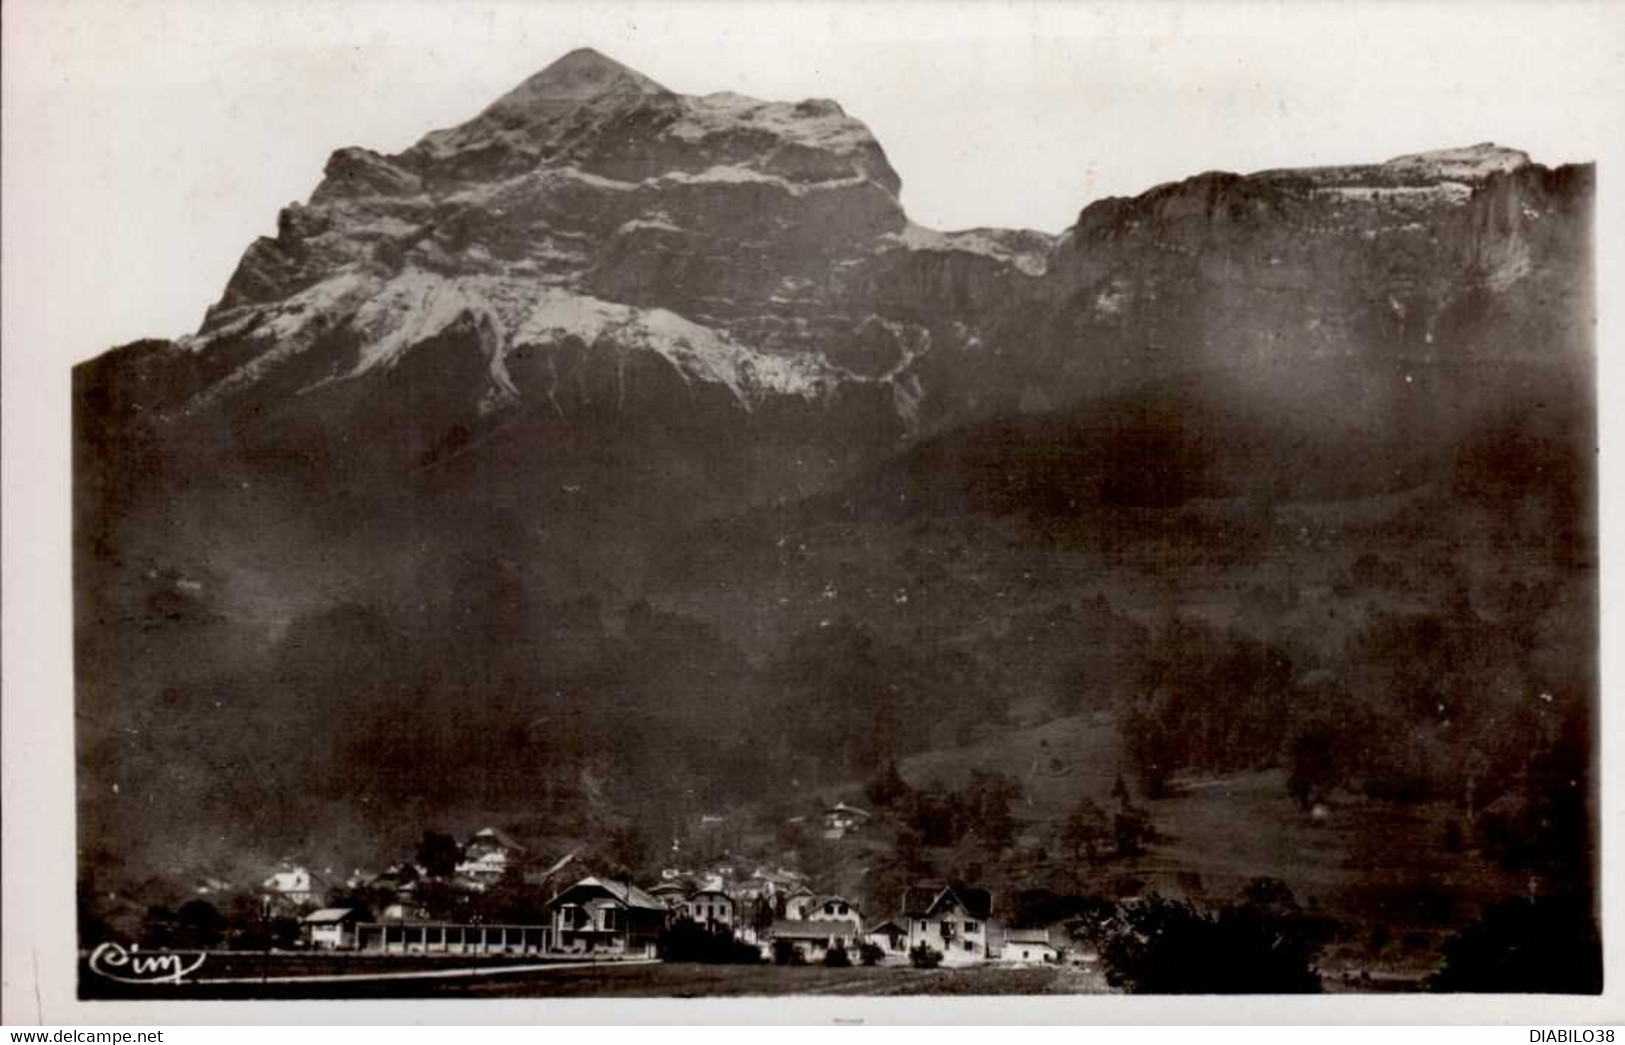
pixel 466 399
pixel 774 231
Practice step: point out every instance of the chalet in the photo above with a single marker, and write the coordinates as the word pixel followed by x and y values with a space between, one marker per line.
pixel 488 855
pixel 712 908
pixel 834 909
pixel 1028 947
pixel 770 885
pixel 955 920
pixel 331 928
pixel 292 888
pixel 545 876
pixel 600 916
pixel 673 895
pixel 891 936
pixel 841 820
pixel 808 941
pixel 798 902
pixel 402 909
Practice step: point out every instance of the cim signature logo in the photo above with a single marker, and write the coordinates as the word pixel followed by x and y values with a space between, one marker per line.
pixel 114 962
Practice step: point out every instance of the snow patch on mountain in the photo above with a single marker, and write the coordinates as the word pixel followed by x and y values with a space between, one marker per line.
pixel 1449 192
pixel 1472 163
pixel 697 352
pixel 729 174
pixel 816 123
pixel 394 317
pixel 414 307
pixel 972 241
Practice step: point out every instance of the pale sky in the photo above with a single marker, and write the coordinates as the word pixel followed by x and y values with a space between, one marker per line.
pixel 148 142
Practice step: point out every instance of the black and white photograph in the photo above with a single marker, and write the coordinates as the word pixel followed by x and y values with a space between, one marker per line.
pixel 701 502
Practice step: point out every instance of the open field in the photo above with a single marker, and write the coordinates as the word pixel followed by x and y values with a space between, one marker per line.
pixel 643 980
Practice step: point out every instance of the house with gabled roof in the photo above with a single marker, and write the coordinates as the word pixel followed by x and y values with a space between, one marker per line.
pixel 331 928
pixel 488 855
pixel 798 901
pixel 606 917
pixel 841 820
pixel 955 920
pixel 891 936
pixel 790 939
pixel 1028 947
pixel 712 907
pixel 292 888
pixel 672 894
pixel 833 909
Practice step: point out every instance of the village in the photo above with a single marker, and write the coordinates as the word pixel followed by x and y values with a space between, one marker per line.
pixel 450 899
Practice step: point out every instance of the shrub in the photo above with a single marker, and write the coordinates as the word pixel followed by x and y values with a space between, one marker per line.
pixel 686 941
pixel 1167 946
pixel 837 958
pixel 785 952
pixel 924 956
pixel 870 953
pixel 1544 946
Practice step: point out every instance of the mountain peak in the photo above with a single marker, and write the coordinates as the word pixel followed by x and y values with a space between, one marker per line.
pixel 579 76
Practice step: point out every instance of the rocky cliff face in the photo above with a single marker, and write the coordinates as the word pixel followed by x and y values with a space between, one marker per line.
pixel 689 304
pixel 469 395
pixel 595 241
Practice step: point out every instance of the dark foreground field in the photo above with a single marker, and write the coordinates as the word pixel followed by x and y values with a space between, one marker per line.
pixel 632 980
pixel 691 981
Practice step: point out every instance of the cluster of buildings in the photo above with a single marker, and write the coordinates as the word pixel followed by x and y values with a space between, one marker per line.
pixel 772 909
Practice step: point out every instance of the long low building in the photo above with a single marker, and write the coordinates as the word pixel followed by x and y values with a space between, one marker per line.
pixel 791 939
pixel 452 938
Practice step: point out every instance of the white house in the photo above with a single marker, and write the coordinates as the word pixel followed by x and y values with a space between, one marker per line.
pixel 602 916
pixel 809 941
pixel 955 921
pixel 798 902
pixel 841 820
pixel 891 936
pixel 331 928
pixel 672 894
pixel 292 888
pixel 1028 947
pixel 712 908
pixel 833 909
pixel 488 855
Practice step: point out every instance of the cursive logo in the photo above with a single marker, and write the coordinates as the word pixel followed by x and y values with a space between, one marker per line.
pixel 112 961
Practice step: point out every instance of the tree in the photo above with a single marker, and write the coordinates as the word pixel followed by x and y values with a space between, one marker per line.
pixel 1120 790
pixel 891 871
pixel 440 900
pixel 1543 946
pixel 1162 946
pixel 439 854
pixel 761 914
pixel 198 924
pixel 986 804
pixel 1131 829
pixel 1086 829
pixel 362 899
pixel 628 849
pixel 158 927
pixel 513 900
pixel 888 788
pixel 687 941
pixel 1312 763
